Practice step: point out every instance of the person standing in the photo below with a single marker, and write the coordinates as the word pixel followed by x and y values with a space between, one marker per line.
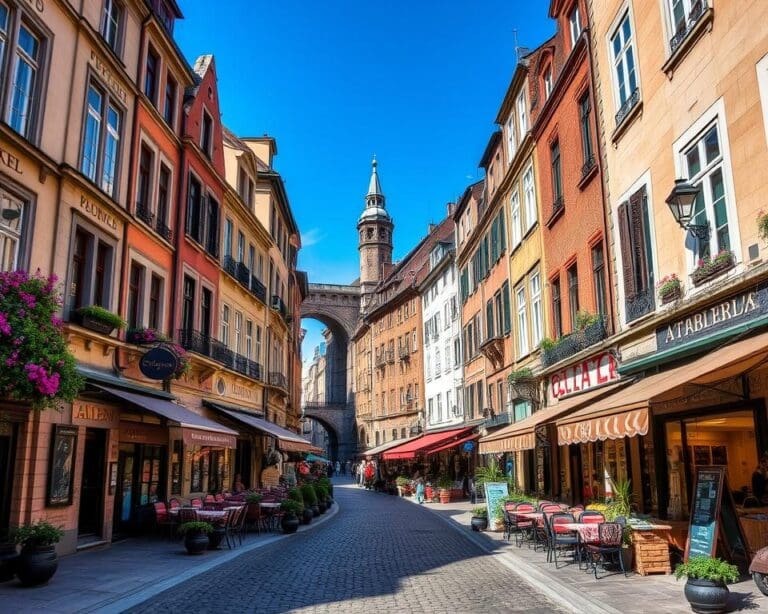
pixel 348 467
pixel 338 468
pixel 420 490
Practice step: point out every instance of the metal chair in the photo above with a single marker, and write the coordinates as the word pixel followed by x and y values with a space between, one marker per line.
pixel 560 537
pixel 609 542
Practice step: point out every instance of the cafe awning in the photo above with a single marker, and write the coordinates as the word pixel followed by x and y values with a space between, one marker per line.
pixel 520 435
pixel 424 444
pixel 626 413
pixel 197 430
pixel 388 446
pixel 287 441
pixel 314 458
pixel 453 444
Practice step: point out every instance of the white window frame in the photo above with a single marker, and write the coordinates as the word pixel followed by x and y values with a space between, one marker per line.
pixel 669 22
pixel 13 239
pixel 522 321
pixel 522 116
pixel 537 314
pixel 515 220
pixel 224 326
pixel 107 24
pixel 249 339
pixel 715 115
pixel 238 332
pixel 624 13
pixel 529 196
pixel 511 138
pixel 574 25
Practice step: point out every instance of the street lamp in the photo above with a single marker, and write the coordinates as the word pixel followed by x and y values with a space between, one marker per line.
pixel 681 201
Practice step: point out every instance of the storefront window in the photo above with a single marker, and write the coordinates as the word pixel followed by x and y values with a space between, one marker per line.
pixel 209 470
pixel 151 485
pixel 176 467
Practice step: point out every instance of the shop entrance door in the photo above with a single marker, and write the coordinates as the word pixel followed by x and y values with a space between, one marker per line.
pixel 92 485
pixel 7 467
pixel 243 461
pixel 125 491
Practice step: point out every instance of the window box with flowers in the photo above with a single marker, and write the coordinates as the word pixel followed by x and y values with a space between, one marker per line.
pixel 709 268
pixel 99 320
pixel 670 288
pixel 523 385
pixel 184 363
pixel 144 336
pixel 37 366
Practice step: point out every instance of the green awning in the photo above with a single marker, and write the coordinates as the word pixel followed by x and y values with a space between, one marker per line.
pixel 314 458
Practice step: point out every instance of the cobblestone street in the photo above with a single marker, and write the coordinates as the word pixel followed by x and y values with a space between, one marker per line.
pixel 379 554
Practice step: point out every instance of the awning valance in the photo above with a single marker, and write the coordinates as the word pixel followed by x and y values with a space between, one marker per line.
pixel 453 444
pixel 196 429
pixel 287 441
pixel 626 413
pixel 424 444
pixel 520 435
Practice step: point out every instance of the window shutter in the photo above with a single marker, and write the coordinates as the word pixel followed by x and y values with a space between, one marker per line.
pixel 637 227
pixel 502 231
pixel 627 267
pixel 489 319
pixel 507 312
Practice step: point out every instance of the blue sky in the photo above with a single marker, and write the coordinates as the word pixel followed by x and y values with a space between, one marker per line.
pixel 417 83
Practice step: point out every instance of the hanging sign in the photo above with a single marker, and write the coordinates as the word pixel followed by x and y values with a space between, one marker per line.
pixel 159 363
pixel 469 446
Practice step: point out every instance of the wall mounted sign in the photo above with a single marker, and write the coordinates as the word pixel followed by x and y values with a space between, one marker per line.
pixel 61 466
pixel 99 214
pixel 728 313
pixel 9 161
pixel 89 413
pixel 159 363
pixel 589 373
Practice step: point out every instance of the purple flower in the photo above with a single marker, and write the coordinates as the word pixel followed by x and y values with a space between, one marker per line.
pixel 5 327
pixel 29 300
pixel 56 321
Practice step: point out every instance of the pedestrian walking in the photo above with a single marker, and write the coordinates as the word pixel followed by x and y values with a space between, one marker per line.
pixel 420 490
pixel 338 467
pixel 348 467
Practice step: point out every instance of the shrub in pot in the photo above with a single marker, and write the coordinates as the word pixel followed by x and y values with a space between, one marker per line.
pixel 444 484
pixel 322 495
pixel 479 520
pixel 291 510
pixel 8 557
pixel 38 561
pixel 100 320
pixel 328 486
pixel 706 588
pixel 196 536
pixel 310 498
pixel 402 483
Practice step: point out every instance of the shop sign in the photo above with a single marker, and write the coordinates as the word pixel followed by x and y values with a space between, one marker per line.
pixel 208 438
pixel 96 212
pixel 589 373
pixel 729 313
pixel 143 433
pixel 159 363
pixel 9 161
pixel 106 74
pixel 88 413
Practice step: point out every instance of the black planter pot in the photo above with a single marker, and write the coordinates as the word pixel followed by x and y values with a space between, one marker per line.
pixel 315 510
pixel 706 596
pixel 321 506
pixel 307 516
pixel 196 542
pixel 479 523
pixel 8 558
pixel 215 538
pixel 36 565
pixel 290 523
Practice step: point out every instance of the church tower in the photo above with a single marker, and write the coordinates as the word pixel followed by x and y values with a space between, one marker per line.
pixel 374 239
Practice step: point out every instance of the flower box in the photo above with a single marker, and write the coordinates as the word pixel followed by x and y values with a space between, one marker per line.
pixel 95 325
pixel 670 289
pixel 670 295
pixel 711 268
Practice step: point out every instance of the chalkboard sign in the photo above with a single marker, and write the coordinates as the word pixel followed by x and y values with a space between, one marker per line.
pixel 713 516
pixel 494 492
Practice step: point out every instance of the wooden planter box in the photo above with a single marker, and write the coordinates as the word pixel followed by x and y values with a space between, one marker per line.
pixel 651 552
pixel 671 295
pixel 95 325
pixel 699 278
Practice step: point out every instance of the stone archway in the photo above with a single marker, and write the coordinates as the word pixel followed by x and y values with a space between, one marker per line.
pixel 337 307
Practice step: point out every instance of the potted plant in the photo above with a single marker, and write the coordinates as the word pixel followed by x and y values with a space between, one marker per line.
pixel 402 483
pixel 310 498
pixel 196 536
pixel 100 320
pixel 429 493
pixel 479 520
pixel 328 487
pixel 670 288
pixel 216 536
pixel 621 507
pixel 706 588
pixel 523 384
pixel 144 336
pixel 321 494
pixel 291 510
pixel 38 561
pixel 185 365
pixel 708 268
pixel 444 484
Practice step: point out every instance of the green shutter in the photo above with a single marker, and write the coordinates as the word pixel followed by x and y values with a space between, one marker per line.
pixel 489 319
pixel 507 314
pixel 502 231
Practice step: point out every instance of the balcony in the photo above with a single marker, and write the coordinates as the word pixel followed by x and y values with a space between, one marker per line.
pixel 221 353
pixel 380 359
pixel 497 419
pixel 638 305
pixel 258 289
pixel 404 353
pixel 571 344
pixel 684 29
pixel 243 275
pixel 628 105
pixel 229 264
pixel 389 356
pixel 278 379
pixel 144 213
pixel 194 341
pixel 199 343
pixel 163 230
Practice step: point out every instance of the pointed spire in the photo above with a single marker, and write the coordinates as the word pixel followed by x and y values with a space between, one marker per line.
pixel 374 187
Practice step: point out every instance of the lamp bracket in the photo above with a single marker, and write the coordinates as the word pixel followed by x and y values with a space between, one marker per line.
pixel 700 231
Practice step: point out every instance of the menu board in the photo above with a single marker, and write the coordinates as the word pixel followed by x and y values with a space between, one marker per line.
pixel 494 493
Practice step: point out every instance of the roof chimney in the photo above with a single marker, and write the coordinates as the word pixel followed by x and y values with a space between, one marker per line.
pixel 450 208
pixel 431 228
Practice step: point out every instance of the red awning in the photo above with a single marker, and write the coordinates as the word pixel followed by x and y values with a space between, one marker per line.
pixel 453 444
pixel 424 444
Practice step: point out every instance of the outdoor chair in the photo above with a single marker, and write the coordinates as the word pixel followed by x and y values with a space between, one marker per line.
pixel 519 526
pixel 591 516
pixel 560 537
pixel 607 546
pixel 163 520
pixel 218 498
pixel 230 527
pixel 209 499
pixel 198 503
pixel 509 506
pixel 187 514
pixel 173 504
pixel 253 516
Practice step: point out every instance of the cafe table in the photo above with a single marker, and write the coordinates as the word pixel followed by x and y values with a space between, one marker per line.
pixel 204 515
pixel 269 505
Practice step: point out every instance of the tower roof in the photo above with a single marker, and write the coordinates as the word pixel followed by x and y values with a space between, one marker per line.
pixel 375 209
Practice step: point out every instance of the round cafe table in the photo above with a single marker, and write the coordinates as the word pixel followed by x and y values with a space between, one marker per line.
pixel 204 514
pixel 269 505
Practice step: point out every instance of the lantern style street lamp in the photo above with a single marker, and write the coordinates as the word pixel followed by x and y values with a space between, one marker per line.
pixel 681 201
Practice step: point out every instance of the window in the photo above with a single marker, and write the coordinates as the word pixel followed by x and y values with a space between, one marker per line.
pixel 212 224
pixel 206 137
pixel 489 319
pixel 557 311
pixel 547 82
pixel 588 154
pixel 507 311
pixel 522 322
pixel 636 255
pixel 169 105
pixel 195 210
pixel 511 137
pixel 517 225
pixel 499 312
pixel 155 304
pixel 206 311
pixel 143 185
pixel 150 75
pixel 25 76
pixel 430 410
pixel 598 278
pixel 188 305
pixel 135 281
pixel 557 182
pixel 456 353
pixel 537 321
pixel 101 140
pixel 574 21
pixel 257 355
pixel 522 116
pixel 228 230
pixel 529 195
pixel 11 231
pixel 112 23
pixel 225 325
pixel 90 270
pixel 238 332
pixel 573 293
pixel 163 200
pixel 439 407
pixel 624 73
pixel 683 14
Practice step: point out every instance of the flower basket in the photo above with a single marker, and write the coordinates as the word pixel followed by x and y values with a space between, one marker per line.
pixel 670 289
pixel 711 268
pixel 99 320
pixel 144 336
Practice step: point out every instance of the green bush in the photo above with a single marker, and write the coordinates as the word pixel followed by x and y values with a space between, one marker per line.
pixel 491 473
pixel 321 491
pixel 295 495
pixel 480 511
pixel 402 481
pixel 102 315
pixel 444 482
pixel 328 485
pixel 37 534
pixel 706 568
pixel 253 498
pixel 308 494
pixel 197 526
pixel 289 506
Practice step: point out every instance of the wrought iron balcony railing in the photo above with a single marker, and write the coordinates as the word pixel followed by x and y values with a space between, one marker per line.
pixel 163 230
pixel 195 341
pixel 628 105
pixel 278 379
pixel 229 264
pixel 573 343
pixel 638 305
pixel 258 289
pixel 144 213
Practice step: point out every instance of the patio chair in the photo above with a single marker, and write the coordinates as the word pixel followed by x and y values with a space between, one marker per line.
pixel 173 504
pixel 198 503
pixel 163 520
pixel 560 537
pixel 519 526
pixel 591 516
pixel 607 546
pixel 230 527
pixel 509 506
